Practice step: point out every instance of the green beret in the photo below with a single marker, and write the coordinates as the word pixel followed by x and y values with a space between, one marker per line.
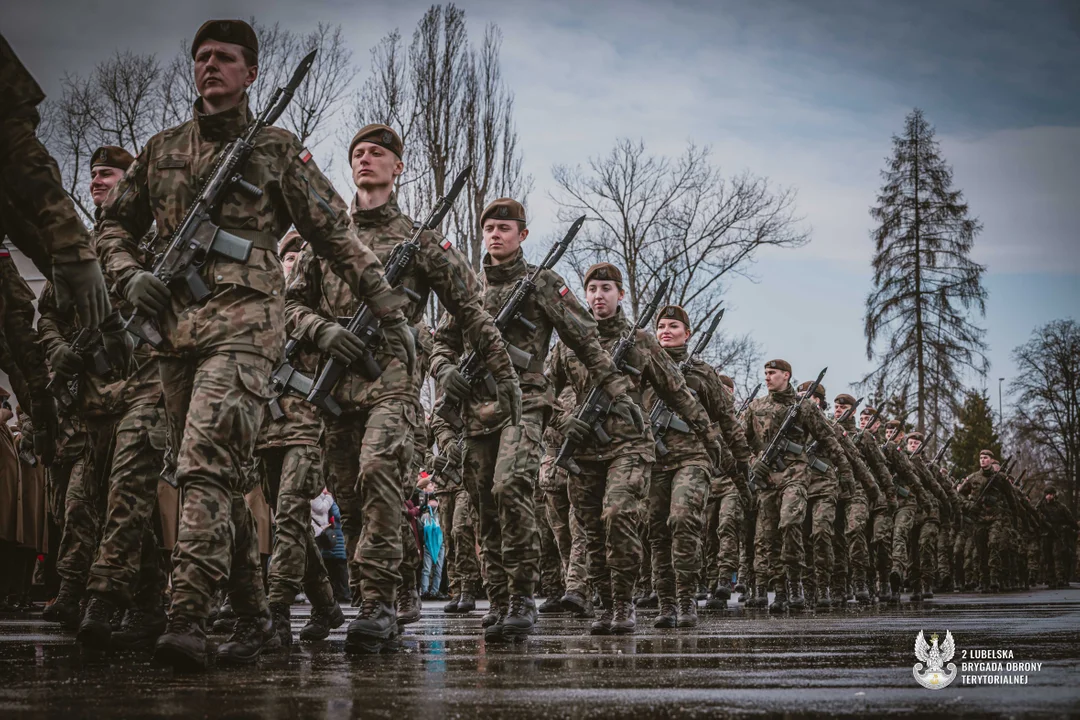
pixel 867 410
pixel 604 271
pixel 381 135
pixel 111 156
pixel 236 32
pixel 987 452
pixel 845 399
pixel 893 425
pixel 782 365
pixel 503 209
pixel 674 312
pixel 819 391
pixel 292 242
pixel 1050 490
pixel 917 435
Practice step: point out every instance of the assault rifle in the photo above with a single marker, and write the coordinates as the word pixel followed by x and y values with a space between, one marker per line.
pixel 286 379
pixel 869 424
pixel 598 403
pixel 472 366
pixel 660 416
pixel 747 401
pixel 87 345
pixel 363 324
pixel 198 238
pixel 941 451
pixel 773 455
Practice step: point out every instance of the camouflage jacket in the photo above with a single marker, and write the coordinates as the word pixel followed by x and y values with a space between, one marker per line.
pixel 903 472
pixel 245 310
pixel 686 449
pixel 658 372
pixel 763 419
pixel 551 308
pixel 1060 519
pixel 936 500
pixel 35 211
pixel 995 503
pixel 875 461
pixel 17 326
pixel 865 488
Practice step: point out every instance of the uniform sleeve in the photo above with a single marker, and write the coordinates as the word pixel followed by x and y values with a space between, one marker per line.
pixel 458 289
pixel 565 393
pixel 449 345
pixel 750 431
pixel 321 218
pixel 18 325
pixel 859 469
pixel 875 459
pixel 724 417
pixel 662 374
pixel 577 330
pixel 815 422
pixel 51 322
pixel 302 298
pixel 125 218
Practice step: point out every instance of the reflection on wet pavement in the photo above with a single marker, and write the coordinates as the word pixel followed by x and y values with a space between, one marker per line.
pixel 850 662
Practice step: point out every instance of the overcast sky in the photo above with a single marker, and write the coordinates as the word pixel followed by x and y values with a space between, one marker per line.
pixel 807 93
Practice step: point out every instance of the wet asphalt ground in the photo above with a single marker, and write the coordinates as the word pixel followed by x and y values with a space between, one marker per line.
pixel 853 662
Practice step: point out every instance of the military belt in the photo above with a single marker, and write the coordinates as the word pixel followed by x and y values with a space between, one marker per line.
pixel 257 238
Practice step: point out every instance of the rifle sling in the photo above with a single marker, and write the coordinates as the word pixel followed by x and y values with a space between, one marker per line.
pixel 259 239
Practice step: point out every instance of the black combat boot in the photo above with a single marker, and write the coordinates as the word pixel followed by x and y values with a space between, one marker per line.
pixel 252 635
pixel 466 602
pixel 493 632
pixel 780 598
pixel 624 620
pixel 720 595
pixel 520 616
pixel 226 619
pixel 95 631
pixel 824 600
pixel 740 587
pixel 408 607
pixel 552 604
pixel 687 612
pixel 141 628
pixel 281 615
pixel 602 624
pixel 759 597
pixel 373 628
pixel 65 609
pixel 321 622
pixel 183 646
pixel 795 591
pixel 702 593
pixel 916 591
pixel 894 587
pixel 650 600
pixel 451 607
pixel 574 601
pixel 668 616
pixel 862 593
pixel 495 608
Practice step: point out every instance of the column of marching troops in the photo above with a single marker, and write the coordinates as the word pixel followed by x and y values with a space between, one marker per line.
pixel 600 514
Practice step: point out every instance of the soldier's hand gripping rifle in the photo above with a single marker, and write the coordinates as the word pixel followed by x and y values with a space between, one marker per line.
pixel 363 324
pixel 747 401
pixel 88 346
pixel 901 489
pixel 660 416
pixel 773 455
pixel 817 463
pixel 598 403
pixel 198 238
pixel 472 366
pixel 287 379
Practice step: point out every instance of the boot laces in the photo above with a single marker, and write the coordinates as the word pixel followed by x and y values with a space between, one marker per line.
pixel 369 608
pixel 687 605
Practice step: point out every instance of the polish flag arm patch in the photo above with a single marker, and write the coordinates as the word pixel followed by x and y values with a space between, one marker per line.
pixel 563 290
pixel 446 244
pixel 305 156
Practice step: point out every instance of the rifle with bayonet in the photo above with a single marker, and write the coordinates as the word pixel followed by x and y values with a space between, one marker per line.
pixel 660 416
pixel 598 403
pixel 773 455
pixel 984 488
pixel 817 463
pixel 747 401
pixel 363 324
pixel 472 366
pixel 198 238
pixel 941 452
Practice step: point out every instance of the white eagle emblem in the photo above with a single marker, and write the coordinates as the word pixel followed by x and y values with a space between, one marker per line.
pixel 933 675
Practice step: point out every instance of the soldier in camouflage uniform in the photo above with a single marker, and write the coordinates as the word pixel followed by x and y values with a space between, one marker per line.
pixel 217 354
pixel 990 518
pixel 924 567
pixel 609 491
pixel 779 552
pixel 369 447
pixel 679 483
pixel 883 511
pixel 501 456
pixel 910 497
pixel 35 211
pixel 1060 539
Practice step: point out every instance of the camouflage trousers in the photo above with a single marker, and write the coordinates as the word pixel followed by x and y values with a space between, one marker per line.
pixel 747 541
pixel 551 566
pixel 924 560
pixel 724 533
pixel 85 478
pixel 841 559
pixel 676 511
pixel 960 540
pixel 411 561
pixel 499 471
pixel 991 544
pixel 779 532
pixel 214 407
pixel 854 531
pixel 569 537
pixel 1057 553
pixel 293 478
pixel 608 498
pixel 881 531
pixel 945 550
pixel 903 523
pixel 138 459
pixel 818 530
pixel 462 564
pixel 368 456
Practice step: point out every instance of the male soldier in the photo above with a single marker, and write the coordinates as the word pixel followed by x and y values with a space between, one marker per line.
pixel 369 447
pixel 679 483
pixel 34 209
pixel 732 503
pixel 823 499
pixel 82 475
pixel 989 517
pixel 291 458
pixel 883 511
pixel 609 491
pixel 936 506
pixel 1059 541
pixel 782 501
pixel 501 454
pixel 908 506
pixel 217 354
pixel 853 522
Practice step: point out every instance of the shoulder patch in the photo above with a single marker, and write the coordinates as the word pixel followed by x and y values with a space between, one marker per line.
pixel 563 290
pixel 305 156
pixel 446 244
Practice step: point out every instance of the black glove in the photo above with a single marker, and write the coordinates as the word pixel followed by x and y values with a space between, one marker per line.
pixel 398 337
pixel 454 385
pixel 65 362
pixel 340 343
pixel 147 293
pixel 449 458
pixel 119 344
pixel 743 469
pixel 83 284
pixel 745 496
pixel 576 431
pixel 629 409
pixel 509 394
pixel 761 472
pixel 43 414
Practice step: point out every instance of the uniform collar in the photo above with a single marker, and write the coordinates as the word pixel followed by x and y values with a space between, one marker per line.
pixel 617 324
pixel 226 125
pixel 505 272
pixel 678 354
pixel 375 217
pixel 849 424
pixel 785 396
